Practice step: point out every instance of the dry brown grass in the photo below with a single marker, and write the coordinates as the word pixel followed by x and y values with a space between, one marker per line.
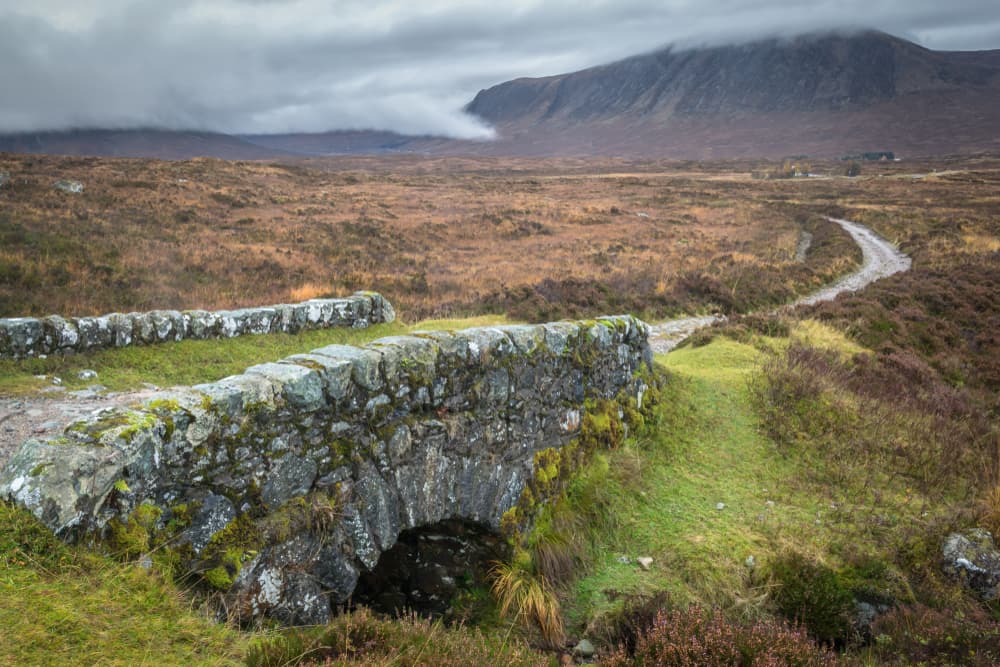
pixel 450 236
pixel 438 236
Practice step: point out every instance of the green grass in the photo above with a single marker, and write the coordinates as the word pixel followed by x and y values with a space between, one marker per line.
pixel 708 452
pixel 656 496
pixel 191 362
pixel 64 605
pixel 709 449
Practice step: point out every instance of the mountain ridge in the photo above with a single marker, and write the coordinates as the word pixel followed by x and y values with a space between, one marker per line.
pixel 847 87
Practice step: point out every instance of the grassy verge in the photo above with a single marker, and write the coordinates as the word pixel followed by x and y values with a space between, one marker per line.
pixel 194 361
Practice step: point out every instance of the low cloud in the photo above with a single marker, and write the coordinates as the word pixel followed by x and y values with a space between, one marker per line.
pixel 264 66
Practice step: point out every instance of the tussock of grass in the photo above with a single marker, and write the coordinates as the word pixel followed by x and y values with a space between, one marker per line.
pixel 527 596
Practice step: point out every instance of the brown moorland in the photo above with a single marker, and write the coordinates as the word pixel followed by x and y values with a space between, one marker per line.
pixel 440 237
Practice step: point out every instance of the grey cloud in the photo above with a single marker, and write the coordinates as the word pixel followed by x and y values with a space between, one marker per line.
pixel 314 65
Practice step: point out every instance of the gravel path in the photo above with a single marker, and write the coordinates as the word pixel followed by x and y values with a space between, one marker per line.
pixel 22 418
pixel 881 259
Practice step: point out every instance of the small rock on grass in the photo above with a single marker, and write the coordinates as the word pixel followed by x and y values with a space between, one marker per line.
pixel 645 562
pixel 87 374
pixel 584 649
pixel 972 558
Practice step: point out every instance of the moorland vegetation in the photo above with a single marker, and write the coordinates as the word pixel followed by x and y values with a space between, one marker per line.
pixel 795 465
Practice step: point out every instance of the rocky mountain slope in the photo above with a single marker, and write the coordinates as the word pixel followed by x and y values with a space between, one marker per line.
pixel 817 94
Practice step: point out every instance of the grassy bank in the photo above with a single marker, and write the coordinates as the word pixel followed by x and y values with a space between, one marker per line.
pixel 784 510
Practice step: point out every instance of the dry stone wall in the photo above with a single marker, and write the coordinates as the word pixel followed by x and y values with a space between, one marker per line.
pixel 282 484
pixel 29 336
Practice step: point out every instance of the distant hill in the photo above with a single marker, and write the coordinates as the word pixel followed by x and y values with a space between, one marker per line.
pixel 817 94
pixel 162 144
pixel 823 95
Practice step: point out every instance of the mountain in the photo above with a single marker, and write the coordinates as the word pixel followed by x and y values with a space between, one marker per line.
pixel 818 94
pixel 822 95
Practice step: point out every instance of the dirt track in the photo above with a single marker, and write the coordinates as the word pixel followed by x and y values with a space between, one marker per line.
pixel 881 259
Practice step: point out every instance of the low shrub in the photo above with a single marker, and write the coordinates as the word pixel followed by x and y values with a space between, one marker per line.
pixel 697 638
pixel 812 595
pixel 876 413
pixel 917 634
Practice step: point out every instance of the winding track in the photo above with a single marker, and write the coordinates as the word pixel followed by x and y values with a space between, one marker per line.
pixel 23 417
pixel 881 259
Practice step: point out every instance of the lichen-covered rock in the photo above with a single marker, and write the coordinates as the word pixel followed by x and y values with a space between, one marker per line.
pixel 95 332
pixel 972 558
pixel 65 481
pixel 58 335
pixel 20 336
pixel 28 336
pixel 284 483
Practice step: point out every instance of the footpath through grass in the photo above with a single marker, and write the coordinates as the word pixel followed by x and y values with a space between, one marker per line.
pixel 714 492
pixel 715 502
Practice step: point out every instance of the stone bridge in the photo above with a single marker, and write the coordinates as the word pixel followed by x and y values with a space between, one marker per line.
pixel 283 485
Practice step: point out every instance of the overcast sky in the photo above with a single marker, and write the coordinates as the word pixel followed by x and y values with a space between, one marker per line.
pixel 249 66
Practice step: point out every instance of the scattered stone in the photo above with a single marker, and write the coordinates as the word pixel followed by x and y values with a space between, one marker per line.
pixel 973 559
pixel 645 562
pixel 87 374
pixel 4 178
pixel 720 506
pixel 584 649
pixel 750 562
pixel 624 560
pixel 71 187
pixel 57 381
pixel 84 394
